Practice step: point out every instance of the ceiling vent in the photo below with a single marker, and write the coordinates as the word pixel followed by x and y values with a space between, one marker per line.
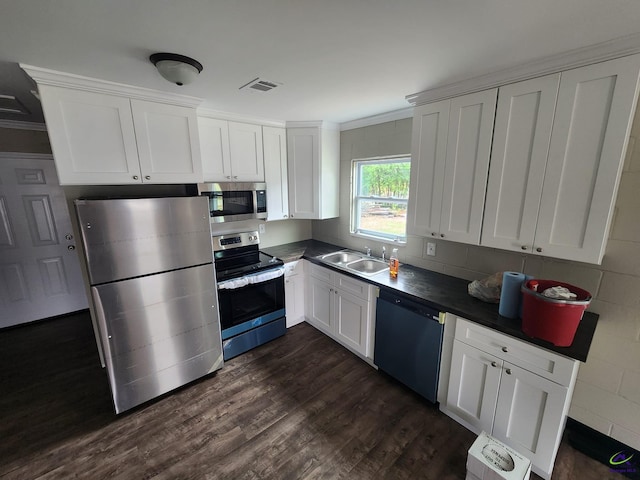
pixel 11 104
pixel 260 85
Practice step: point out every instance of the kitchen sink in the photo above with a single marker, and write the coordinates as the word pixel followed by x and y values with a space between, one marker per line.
pixel 341 258
pixel 368 266
pixel 355 262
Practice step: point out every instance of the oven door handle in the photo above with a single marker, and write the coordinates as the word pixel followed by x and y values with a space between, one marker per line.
pixel 251 279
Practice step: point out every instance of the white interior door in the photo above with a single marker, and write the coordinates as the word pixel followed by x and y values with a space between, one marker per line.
pixel 39 268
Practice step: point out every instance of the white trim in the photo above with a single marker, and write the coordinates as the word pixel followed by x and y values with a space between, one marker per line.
pixel 377 119
pixel 44 76
pixel 25 156
pixel 20 125
pixel 234 117
pixel 314 123
pixel 579 57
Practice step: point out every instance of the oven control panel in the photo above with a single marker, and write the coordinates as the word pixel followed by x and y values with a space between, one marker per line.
pixel 235 240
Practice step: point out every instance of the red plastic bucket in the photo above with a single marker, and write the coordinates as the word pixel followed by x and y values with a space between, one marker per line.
pixel 551 319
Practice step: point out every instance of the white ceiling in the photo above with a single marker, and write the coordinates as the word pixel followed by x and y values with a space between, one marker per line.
pixel 337 60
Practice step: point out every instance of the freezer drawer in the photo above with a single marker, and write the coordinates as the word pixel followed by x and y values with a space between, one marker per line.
pixel 158 332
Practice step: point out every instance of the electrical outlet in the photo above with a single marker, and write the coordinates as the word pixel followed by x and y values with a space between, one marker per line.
pixel 431 249
pixel 262 228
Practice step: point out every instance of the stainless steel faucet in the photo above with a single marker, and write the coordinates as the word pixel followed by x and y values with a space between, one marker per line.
pixel 368 251
pixel 384 253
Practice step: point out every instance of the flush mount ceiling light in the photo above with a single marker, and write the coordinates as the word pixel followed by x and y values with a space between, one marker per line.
pixel 176 68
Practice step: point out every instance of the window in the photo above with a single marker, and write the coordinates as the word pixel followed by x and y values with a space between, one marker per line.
pixel 380 194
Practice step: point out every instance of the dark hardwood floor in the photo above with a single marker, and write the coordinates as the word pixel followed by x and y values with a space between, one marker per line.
pixel 300 407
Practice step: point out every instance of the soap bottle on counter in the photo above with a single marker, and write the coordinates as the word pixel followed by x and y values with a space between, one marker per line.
pixel 394 263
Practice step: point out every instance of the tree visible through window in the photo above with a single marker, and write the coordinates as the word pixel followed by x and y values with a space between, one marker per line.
pixel 380 194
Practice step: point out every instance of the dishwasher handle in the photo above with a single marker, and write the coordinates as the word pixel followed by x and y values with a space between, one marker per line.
pixel 411 305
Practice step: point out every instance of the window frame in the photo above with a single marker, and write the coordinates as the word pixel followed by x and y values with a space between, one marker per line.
pixel 357 199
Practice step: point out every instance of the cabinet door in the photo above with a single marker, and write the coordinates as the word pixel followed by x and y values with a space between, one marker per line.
pixel 352 321
pixel 530 415
pixel 320 304
pixel 275 172
pixel 214 146
pixel 303 153
pixel 521 136
pixel 590 132
pixel 168 143
pixel 92 136
pixel 294 290
pixel 473 385
pixel 245 146
pixel 429 149
pixel 467 165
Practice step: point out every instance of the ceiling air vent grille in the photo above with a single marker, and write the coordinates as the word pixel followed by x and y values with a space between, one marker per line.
pixel 260 85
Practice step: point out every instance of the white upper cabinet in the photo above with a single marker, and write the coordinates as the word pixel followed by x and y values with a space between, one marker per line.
pixel 521 137
pixel 450 163
pixel 91 135
pixel 558 152
pixel 429 153
pixel 313 154
pixel 593 119
pixel 104 138
pixel 231 151
pixel 274 141
pixel 214 146
pixel 168 145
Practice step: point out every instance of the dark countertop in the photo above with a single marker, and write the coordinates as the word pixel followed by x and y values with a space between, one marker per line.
pixel 446 293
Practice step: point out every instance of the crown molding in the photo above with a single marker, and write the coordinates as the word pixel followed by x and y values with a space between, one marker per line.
pixel 600 52
pixel 313 124
pixel 219 115
pixel 44 76
pixel 20 125
pixel 25 156
pixel 377 119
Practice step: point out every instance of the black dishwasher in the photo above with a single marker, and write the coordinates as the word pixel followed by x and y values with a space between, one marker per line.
pixel 408 342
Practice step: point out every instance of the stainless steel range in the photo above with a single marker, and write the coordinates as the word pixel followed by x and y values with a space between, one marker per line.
pixel 250 292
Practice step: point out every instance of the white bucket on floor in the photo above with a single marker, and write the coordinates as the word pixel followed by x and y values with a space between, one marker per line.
pixel 490 459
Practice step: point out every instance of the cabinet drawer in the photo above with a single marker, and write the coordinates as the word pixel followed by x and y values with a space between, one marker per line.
pixel 355 287
pixel 321 273
pixel 293 268
pixel 542 362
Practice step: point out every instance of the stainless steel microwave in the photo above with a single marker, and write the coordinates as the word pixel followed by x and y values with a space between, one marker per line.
pixel 232 201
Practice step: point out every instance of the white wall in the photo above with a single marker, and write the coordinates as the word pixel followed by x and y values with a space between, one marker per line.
pixel 607 395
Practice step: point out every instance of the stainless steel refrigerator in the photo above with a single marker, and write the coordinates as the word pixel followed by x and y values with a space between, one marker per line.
pixel 150 266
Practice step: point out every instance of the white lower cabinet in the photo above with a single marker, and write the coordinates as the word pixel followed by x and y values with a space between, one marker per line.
pixel 342 307
pixel 294 291
pixel 515 391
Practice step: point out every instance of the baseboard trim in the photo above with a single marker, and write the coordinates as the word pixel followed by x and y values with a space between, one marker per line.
pixel 620 458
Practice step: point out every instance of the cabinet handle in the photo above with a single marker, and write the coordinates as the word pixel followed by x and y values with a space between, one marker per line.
pixel 508 371
pixel 228 176
pixel 235 176
pixel 538 249
pixel 291 216
pixel 494 364
pixel 331 289
pixel 147 177
pixel 135 177
pixel 335 291
pixel 442 235
pixel 523 247
pixel 433 234
pixel 286 216
pixel 71 247
pixel 504 349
